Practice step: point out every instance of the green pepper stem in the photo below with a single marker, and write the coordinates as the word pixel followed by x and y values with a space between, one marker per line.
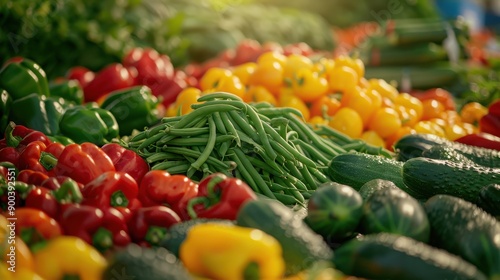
pixel 214 181
pixel 118 199
pixel 155 235
pixel 31 236
pixel 194 201
pixel 12 141
pixel 251 271
pixel 68 192
pixel 48 160
pixel 102 239
pixel 71 277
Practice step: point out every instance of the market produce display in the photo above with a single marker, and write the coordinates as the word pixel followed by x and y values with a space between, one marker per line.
pixel 269 160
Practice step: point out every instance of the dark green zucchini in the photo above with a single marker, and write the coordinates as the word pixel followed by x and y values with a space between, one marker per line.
pixel 395 257
pixel 334 211
pixel 447 152
pixel 142 263
pixel 413 145
pixel 373 185
pixel 429 177
pixel 392 210
pixel 300 244
pixel 489 199
pixel 355 169
pixel 464 229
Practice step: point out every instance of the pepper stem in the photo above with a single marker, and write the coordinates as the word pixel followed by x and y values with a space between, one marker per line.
pixel 71 277
pixel 31 236
pixel 118 199
pixel 155 235
pixel 102 239
pixel 251 272
pixel 48 160
pixel 211 191
pixel 194 201
pixel 68 192
pixel 12 141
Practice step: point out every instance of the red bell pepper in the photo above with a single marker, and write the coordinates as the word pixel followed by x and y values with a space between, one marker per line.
pixel 150 65
pixel 127 161
pixel 494 108
pixel 148 225
pixel 167 90
pixel 31 156
pixel 220 197
pixel 158 187
pixel 82 74
pixel 490 124
pixel 102 228
pixel 32 177
pixel 113 77
pixel 17 137
pixel 52 201
pixel 56 182
pixel 112 189
pixel 83 162
pixel 34 226
pixel 481 139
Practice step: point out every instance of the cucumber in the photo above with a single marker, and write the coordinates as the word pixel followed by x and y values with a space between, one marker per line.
pixel 376 184
pixel 464 229
pixel 138 262
pixel 355 169
pixel 445 151
pixel 413 145
pixel 489 199
pixel 407 55
pixel 392 210
pixel 429 177
pixel 300 244
pixel 334 211
pixel 394 257
pixel 177 233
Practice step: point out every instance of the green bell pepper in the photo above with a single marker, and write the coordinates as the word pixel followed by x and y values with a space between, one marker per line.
pixel 61 139
pixel 22 78
pixel 69 90
pixel 5 106
pixel 83 124
pixel 37 112
pixel 133 108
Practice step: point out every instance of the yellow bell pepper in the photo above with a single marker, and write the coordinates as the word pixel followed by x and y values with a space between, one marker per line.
pixel 69 256
pixel 231 252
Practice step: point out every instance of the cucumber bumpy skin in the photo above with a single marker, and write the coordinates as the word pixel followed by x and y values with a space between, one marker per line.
pixel 464 229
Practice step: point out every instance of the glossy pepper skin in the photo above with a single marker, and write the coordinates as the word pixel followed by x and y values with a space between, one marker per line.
pixel 158 187
pixel 148 225
pixel 246 253
pixel 83 163
pixel 133 108
pixel 113 77
pixel 5 106
pixel 31 157
pixel 70 90
pixel 33 225
pixel 127 161
pixel 481 139
pixel 490 123
pixel 53 201
pixel 111 189
pixel 102 228
pixel 83 124
pixel 22 77
pixel 16 138
pixel 38 112
pixel 66 256
pixel 220 197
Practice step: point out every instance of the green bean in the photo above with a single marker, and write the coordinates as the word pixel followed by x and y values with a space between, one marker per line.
pixel 320 176
pixel 292 190
pixel 308 135
pixel 282 151
pixel 259 125
pixel 265 167
pixel 190 131
pixel 210 144
pixel 199 141
pixel 312 151
pixel 150 141
pixel 178 169
pixel 219 95
pixel 264 188
pixel 282 124
pixel 243 124
pixel 275 187
pixel 247 139
pixel 261 105
pixel 218 123
pixel 300 157
pixel 203 112
pixel 161 156
pixel 231 130
pixel 286 198
pixel 297 183
pixel 294 171
pixel 167 164
pixel 308 178
pixel 342 138
pixel 147 133
pixel 280 112
pixel 242 173
pixel 195 154
pixel 171 119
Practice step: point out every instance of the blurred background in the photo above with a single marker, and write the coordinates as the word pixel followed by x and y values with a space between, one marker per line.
pixel 93 33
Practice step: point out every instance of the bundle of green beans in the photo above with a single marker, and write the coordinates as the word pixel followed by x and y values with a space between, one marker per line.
pixel 272 149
